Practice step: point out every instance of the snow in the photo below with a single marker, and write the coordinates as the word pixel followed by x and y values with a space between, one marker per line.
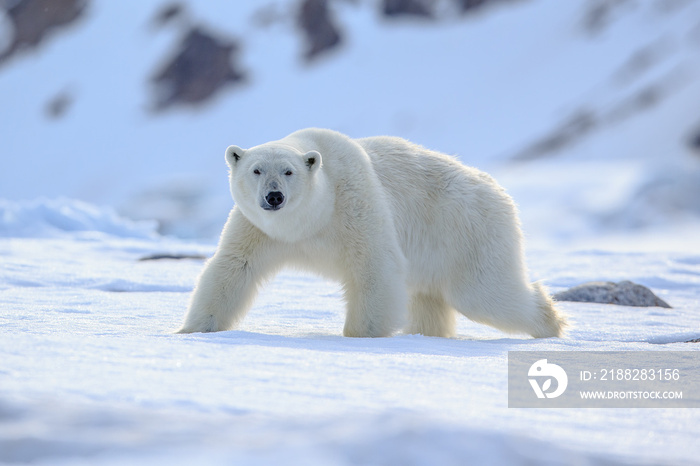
pixel 92 374
pixel 90 371
pixel 50 217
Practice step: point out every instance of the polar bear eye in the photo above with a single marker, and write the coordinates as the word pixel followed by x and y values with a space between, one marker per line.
pixel 256 171
pixel 288 173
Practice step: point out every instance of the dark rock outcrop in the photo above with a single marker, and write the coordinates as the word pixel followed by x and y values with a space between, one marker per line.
pixel 34 20
pixel 59 104
pixel 468 6
pixel 168 256
pixel 575 128
pixel 416 8
pixel 169 13
pixel 430 9
pixel 318 27
pixel 624 293
pixel 600 14
pixel 202 65
pixel 694 141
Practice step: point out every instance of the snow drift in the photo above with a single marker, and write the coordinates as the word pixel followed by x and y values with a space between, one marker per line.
pixel 56 217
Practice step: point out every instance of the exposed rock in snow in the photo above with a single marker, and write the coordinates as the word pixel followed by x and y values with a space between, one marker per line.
pixel 577 126
pixel 169 13
pixel 171 256
pixel 33 20
pixel 59 104
pixel 624 293
pixel 321 33
pixel 695 141
pixel 587 120
pixel 602 13
pixel 201 66
pixel 419 8
pixel 475 5
pixel 432 9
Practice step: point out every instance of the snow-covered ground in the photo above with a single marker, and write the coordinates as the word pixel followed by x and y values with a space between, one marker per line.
pixel 91 373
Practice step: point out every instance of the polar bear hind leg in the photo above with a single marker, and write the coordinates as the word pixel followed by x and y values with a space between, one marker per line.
pixel 430 315
pixel 554 321
pixel 524 309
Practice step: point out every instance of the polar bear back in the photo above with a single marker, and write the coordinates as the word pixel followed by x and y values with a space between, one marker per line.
pixel 455 224
pixel 448 217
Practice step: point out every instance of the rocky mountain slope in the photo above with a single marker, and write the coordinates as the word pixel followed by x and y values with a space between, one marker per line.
pixel 135 103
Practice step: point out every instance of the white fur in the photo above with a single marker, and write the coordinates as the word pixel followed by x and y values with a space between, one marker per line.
pixel 401 227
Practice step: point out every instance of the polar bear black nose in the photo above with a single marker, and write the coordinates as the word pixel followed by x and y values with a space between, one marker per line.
pixel 275 198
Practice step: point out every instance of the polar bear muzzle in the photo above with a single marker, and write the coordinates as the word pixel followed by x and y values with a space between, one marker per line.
pixel 273 201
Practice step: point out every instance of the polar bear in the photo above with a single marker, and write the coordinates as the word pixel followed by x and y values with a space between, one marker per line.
pixel 404 229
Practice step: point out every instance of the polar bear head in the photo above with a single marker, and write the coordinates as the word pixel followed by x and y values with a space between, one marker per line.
pixel 276 187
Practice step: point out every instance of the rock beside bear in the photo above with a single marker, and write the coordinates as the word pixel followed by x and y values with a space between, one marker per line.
pixel 624 293
pixel 413 236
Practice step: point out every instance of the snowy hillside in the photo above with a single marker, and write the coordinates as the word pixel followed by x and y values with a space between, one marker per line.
pixel 571 90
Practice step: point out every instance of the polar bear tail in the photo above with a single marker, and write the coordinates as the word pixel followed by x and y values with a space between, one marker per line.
pixel 553 322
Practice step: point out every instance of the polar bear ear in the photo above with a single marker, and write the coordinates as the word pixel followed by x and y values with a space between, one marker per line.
pixel 312 160
pixel 233 154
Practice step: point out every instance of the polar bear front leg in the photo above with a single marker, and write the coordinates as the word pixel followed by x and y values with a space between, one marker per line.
pixel 376 297
pixel 228 285
pixel 223 295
